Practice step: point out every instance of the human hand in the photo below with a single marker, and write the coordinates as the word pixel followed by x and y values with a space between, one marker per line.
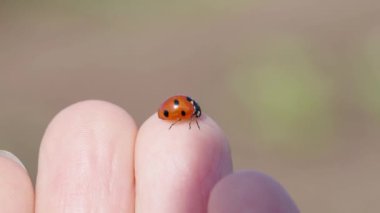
pixel 94 159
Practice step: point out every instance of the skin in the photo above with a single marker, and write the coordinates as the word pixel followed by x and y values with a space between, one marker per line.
pixel 94 159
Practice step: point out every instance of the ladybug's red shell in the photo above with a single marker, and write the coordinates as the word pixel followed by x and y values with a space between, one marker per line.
pixel 175 108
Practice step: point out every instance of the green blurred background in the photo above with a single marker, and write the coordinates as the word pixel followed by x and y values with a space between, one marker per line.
pixel 294 84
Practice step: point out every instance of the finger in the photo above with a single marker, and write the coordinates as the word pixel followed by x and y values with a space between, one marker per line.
pixel 16 189
pixel 176 168
pixel 250 191
pixel 86 161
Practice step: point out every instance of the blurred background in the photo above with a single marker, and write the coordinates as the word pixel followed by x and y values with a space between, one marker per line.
pixel 294 84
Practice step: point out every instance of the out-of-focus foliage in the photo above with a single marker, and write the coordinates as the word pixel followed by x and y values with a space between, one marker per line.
pixel 288 97
pixel 146 9
pixel 368 74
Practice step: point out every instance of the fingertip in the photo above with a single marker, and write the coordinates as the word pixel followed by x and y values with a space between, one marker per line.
pixel 92 111
pixel 207 127
pixel 250 191
pixel 209 140
pixel 85 140
pixel 97 117
pixel 16 194
pixel 12 157
pixel 179 164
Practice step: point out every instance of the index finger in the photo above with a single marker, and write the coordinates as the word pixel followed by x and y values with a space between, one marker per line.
pixel 176 169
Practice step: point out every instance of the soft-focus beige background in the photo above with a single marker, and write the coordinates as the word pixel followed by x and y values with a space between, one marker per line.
pixel 294 84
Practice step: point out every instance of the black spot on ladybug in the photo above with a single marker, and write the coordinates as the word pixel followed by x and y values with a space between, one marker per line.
pixel 188 99
pixel 183 113
pixel 166 113
pixel 176 102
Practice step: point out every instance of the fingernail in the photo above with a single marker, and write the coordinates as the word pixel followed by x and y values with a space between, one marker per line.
pixel 9 155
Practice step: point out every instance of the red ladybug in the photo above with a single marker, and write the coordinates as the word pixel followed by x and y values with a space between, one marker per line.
pixel 178 108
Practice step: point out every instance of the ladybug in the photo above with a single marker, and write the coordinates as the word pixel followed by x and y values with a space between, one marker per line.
pixel 178 108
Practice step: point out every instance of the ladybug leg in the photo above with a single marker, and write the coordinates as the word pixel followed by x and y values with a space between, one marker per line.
pixel 191 120
pixel 196 121
pixel 174 123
